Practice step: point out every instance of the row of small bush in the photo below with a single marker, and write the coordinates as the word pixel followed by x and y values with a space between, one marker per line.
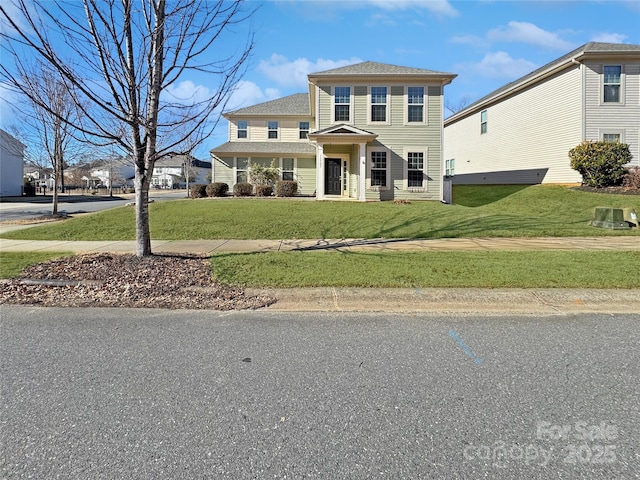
pixel 283 188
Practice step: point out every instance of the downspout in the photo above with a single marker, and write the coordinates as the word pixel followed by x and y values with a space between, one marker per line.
pixel 583 99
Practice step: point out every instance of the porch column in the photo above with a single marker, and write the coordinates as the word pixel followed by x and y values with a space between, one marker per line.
pixel 362 172
pixel 320 171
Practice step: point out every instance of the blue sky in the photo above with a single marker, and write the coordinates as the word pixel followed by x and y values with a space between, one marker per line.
pixel 486 43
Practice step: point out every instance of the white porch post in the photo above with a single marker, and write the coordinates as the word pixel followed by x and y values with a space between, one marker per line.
pixel 320 172
pixel 362 172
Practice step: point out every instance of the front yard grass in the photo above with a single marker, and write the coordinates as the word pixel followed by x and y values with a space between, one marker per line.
pixel 12 263
pixel 484 211
pixel 508 269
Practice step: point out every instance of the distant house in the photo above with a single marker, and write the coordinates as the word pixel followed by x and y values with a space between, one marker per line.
pixel 39 176
pixel 173 170
pixel 11 165
pixel 369 131
pixel 117 172
pixel 522 132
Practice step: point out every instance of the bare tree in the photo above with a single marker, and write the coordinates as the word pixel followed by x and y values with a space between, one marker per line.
pixel 42 126
pixel 455 108
pixel 128 55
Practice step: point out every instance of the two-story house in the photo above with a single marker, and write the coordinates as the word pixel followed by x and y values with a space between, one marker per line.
pixel 522 132
pixel 11 165
pixel 368 131
pixel 176 170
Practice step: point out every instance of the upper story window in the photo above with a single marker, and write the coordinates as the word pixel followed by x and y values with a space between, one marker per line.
pixel 612 83
pixel 304 130
pixel 272 129
pixel 483 121
pixel 415 104
pixel 342 104
pixel 378 104
pixel 242 128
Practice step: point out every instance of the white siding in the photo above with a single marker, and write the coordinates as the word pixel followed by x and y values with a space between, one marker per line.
pixel 624 117
pixel 528 135
pixel 11 165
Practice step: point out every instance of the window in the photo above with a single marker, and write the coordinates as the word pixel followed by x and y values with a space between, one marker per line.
pixel 415 171
pixel 378 104
pixel 287 168
pixel 378 169
pixel 612 79
pixel 304 130
pixel 342 103
pixel 450 167
pixel 242 128
pixel 611 137
pixel 272 130
pixel 483 121
pixel 415 104
pixel 242 165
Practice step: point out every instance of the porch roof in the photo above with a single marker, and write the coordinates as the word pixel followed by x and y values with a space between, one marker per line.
pixel 265 148
pixel 342 133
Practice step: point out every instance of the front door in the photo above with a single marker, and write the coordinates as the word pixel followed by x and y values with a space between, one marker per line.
pixel 332 176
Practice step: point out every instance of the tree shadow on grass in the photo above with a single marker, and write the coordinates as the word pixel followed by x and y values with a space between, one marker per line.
pixel 480 195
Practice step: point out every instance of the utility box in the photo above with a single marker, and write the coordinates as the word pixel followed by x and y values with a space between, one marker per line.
pixel 630 216
pixel 611 218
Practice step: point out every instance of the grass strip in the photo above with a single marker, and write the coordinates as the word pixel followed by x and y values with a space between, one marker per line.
pixel 508 269
pixel 12 263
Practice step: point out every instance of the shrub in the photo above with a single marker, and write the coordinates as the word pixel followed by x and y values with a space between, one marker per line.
pixel 261 175
pixel 217 189
pixel 198 190
pixel 286 188
pixel 601 164
pixel 242 189
pixel 264 190
pixel 632 178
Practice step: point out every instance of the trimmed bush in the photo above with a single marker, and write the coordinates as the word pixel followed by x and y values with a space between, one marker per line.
pixel 632 178
pixel 286 188
pixel 601 164
pixel 242 189
pixel 217 189
pixel 264 190
pixel 199 190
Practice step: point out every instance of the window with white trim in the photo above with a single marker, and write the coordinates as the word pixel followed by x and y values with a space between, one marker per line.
pixel 379 169
pixel 450 167
pixel 378 104
pixel 242 167
pixel 415 169
pixel 303 129
pixel 611 137
pixel 415 104
pixel 483 122
pixel 342 104
pixel 243 126
pixel 272 129
pixel 288 165
pixel 612 84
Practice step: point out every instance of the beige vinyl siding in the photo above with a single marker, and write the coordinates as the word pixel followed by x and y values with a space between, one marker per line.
pixel 223 171
pixel 288 129
pixel 625 117
pixel 528 135
pixel 306 176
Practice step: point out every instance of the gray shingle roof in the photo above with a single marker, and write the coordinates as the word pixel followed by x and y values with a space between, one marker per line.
pixel 265 148
pixel 587 48
pixel 375 68
pixel 296 104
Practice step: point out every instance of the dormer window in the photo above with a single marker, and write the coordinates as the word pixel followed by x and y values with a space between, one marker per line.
pixel 342 104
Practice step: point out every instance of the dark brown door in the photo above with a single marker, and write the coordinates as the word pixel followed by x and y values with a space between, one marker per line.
pixel 332 176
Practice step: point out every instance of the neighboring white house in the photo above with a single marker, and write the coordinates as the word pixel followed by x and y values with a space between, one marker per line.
pixel 117 172
pixel 173 169
pixel 39 176
pixel 11 165
pixel 522 132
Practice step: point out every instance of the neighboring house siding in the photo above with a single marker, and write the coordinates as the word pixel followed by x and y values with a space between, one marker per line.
pixel 11 165
pixel 611 118
pixel 528 136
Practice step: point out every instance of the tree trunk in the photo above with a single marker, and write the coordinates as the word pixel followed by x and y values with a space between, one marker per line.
pixel 143 234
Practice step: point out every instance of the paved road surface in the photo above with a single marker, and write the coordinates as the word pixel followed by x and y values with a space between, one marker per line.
pixel 108 393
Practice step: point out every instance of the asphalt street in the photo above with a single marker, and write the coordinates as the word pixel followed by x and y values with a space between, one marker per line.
pixel 158 394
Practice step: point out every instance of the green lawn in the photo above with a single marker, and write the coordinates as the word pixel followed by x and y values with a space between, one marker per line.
pixel 12 263
pixel 529 269
pixel 486 211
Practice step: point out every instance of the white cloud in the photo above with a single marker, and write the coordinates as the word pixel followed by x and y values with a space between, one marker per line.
pixel 609 37
pixel 439 7
pixel 294 73
pixel 499 65
pixel 525 32
pixel 472 40
pixel 247 93
pixel 187 92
